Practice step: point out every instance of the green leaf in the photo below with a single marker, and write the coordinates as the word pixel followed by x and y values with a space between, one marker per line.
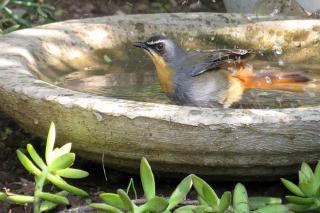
pixel 180 192
pixel 240 199
pixel 54 198
pixel 259 202
pixel 225 202
pixel 205 191
pixel 65 186
pixel 47 205
pixel 156 204
pixel 303 177
pixel 273 209
pixel 3 3
pixel 72 173
pixel 112 200
pixel 300 200
pixel 11 29
pixel 50 143
pixel 131 186
pixel 66 148
pixel 107 59
pixel 201 201
pixel 300 208
pixel 30 167
pixel 293 188
pixel 35 156
pixel 42 13
pixel 2 196
pixel 62 162
pixel 127 203
pixel 309 188
pixel 105 207
pixel 317 174
pixel 25 3
pixel 185 209
pixel 20 199
pixel 147 179
pixel 305 169
pixel 194 209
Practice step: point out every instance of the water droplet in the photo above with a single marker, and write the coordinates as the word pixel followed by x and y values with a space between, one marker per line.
pixel 261 53
pixel 268 79
pixel 281 62
pixel 277 49
pixel 274 12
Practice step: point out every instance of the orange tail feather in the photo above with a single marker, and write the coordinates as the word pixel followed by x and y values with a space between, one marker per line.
pixel 294 81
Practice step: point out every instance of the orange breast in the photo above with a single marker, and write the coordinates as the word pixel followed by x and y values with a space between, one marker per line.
pixel 164 73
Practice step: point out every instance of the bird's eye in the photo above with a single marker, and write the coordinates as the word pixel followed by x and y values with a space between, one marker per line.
pixel 159 47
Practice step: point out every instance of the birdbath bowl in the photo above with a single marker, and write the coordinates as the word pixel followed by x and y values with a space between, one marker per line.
pixel 223 143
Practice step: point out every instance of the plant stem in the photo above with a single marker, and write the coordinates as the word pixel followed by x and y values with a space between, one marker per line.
pixel 40 180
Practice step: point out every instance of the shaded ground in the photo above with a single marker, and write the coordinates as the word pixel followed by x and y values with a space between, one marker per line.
pixel 12 175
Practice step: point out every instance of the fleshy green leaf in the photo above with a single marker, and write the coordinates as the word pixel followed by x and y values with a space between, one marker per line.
pixel 50 143
pixel 305 169
pixel 225 202
pixel 62 162
pixel 47 205
pixel 194 209
pixel 205 191
pixel 180 192
pixel 72 173
pixel 112 200
pixel 147 179
pixel 259 202
pixel 127 203
pixel 185 209
pixel 240 199
pixel 300 208
pixel 156 204
pixel 65 186
pixel 54 198
pixel 303 178
pixel 273 209
pixel 309 188
pixel 20 199
pixel 293 188
pixel 202 202
pixel 62 150
pixel 105 207
pixel 35 156
pixel 131 186
pixel 30 167
pixel 300 200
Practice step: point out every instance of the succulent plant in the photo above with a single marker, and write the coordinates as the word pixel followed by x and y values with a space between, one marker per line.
pixel 54 168
pixel 307 193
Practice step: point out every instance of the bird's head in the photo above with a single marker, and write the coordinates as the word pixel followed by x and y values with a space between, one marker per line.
pixel 165 54
pixel 161 48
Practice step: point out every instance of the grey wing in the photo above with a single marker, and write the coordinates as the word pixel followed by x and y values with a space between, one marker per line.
pixel 210 60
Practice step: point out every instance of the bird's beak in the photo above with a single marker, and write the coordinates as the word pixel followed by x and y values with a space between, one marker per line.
pixel 140 44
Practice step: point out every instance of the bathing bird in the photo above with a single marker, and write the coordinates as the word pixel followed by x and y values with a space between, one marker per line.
pixel 212 78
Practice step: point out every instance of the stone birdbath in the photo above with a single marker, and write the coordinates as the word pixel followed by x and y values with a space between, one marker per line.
pixel 224 143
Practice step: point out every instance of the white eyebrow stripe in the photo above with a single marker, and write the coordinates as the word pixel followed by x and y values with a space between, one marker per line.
pixel 155 42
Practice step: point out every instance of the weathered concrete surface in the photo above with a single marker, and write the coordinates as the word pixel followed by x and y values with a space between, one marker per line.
pixel 218 142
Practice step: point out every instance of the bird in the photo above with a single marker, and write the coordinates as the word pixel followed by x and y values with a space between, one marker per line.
pixel 213 78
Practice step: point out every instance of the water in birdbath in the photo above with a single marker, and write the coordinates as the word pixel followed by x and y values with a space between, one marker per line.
pixel 128 73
